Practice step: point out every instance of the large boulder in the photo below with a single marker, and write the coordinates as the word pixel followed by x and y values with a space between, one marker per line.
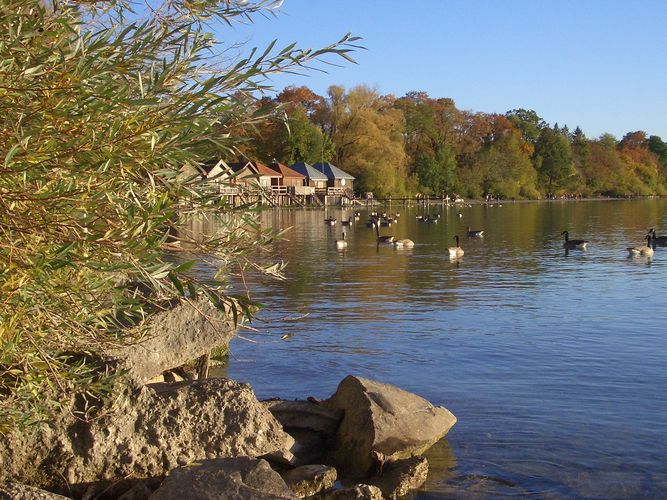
pixel 179 334
pixel 382 423
pixel 240 478
pixel 146 434
pixel 309 480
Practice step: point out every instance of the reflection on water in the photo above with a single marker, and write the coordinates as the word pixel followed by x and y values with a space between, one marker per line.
pixel 553 361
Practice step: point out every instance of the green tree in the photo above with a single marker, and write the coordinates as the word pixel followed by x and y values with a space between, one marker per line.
pixel 581 160
pixel 528 123
pixel 658 147
pixel 553 159
pixel 436 171
pixel 305 140
pixel 507 168
pixel 431 135
pixel 105 114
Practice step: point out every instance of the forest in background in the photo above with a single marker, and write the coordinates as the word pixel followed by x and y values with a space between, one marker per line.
pixel 419 144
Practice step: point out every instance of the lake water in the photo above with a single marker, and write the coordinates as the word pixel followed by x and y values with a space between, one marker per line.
pixel 554 363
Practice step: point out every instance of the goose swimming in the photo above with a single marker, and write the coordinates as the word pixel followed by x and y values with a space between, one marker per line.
pixel 643 250
pixel 382 239
pixel 572 244
pixel 456 251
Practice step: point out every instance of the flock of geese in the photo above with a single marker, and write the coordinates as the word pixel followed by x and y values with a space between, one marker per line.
pixel 652 241
pixel 376 220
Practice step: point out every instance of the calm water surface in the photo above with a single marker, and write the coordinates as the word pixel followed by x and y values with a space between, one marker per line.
pixel 555 364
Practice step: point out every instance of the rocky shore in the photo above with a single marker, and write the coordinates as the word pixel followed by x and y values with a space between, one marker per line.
pixel 212 438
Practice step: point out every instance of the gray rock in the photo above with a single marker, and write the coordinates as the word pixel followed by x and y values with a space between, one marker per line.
pixel 399 477
pixel 381 420
pixel 15 491
pixel 174 337
pixel 241 478
pixel 148 433
pixel 309 480
pixel 357 492
pixel 305 415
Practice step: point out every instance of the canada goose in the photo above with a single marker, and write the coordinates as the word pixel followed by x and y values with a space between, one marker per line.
pixel 645 251
pixel 572 244
pixel 340 244
pixel 657 241
pixel 404 243
pixel 346 222
pixel 456 251
pixel 475 233
pixel 459 215
pixel 330 221
pixel 382 239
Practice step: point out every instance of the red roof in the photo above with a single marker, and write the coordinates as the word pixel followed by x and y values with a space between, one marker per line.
pixel 264 170
pixel 285 171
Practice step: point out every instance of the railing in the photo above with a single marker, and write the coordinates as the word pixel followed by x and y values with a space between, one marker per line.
pixel 304 190
pixel 279 190
pixel 228 190
pixel 337 191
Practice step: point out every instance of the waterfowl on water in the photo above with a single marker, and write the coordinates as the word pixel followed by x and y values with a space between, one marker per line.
pixel 404 243
pixel 459 215
pixel 572 244
pixel 342 243
pixel 330 221
pixel 644 251
pixel 657 241
pixel 382 239
pixel 346 222
pixel 456 251
pixel 475 233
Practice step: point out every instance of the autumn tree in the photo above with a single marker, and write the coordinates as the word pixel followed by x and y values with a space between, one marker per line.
pixel 367 131
pixel 642 163
pixel 608 173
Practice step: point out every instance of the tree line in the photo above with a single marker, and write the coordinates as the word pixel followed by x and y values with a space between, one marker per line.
pixel 420 144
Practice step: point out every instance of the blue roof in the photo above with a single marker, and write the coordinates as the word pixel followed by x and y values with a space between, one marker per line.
pixel 309 171
pixel 332 171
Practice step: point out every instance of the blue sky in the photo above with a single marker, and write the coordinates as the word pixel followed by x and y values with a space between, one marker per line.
pixel 598 64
